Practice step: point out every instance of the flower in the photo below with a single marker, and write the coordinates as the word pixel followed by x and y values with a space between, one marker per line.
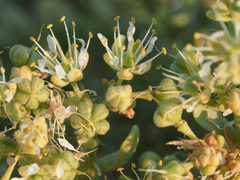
pixel 64 68
pixel 126 60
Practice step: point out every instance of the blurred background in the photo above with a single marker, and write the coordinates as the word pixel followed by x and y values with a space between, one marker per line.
pixel 177 21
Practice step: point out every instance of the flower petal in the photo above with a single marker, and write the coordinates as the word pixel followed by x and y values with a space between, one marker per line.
pixel 60 71
pixel 52 44
pixel 59 170
pixel 33 169
pixel 151 45
pixel 66 144
pixel 130 32
pixel 70 110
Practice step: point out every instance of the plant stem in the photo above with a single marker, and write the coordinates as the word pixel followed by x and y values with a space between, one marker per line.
pixel 76 89
pixel 9 171
pixel 237 126
pixel 119 82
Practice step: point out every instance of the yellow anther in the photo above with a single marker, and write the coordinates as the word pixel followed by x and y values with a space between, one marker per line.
pixel 50 85
pixel 133 20
pixel 75 45
pixel 90 34
pixel 105 42
pixel 174 45
pixel 133 165
pixel 116 18
pixel 197 35
pixel 2 70
pixel 23 141
pixel 150 88
pixel 120 169
pixel 133 68
pixel 115 28
pixel 160 163
pixel 73 24
pixel 40 157
pixel 122 47
pixel 154 32
pixel 188 47
pixel 32 39
pixel 164 116
pixel 70 94
pixel 158 67
pixel 164 50
pixel 32 64
pixel 49 26
pixel 154 21
pixel 62 19
pixel 55 56
pixel 71 60
pixel 36 48
pixel 143 52
pixel 63 127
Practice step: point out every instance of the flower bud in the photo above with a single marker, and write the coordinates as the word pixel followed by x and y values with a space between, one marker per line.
pixel 16 111
pixel 119 97
pixel 102 127
pixel 23 72
pixel 146 158
pixel 19 55
pixel 208 170
pixel 125 74
pixel 69 158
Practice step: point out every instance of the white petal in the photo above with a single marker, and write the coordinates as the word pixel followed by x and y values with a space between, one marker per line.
pixel 200 57
pixel 37 150
pixel 59 170
pixel 151 45
pixel 191 108
pixel 52 44
pixel 101 37
pixel 16 80
pixel 41 63
pixel 227 112
pixel 9 96
pixel 15 178
pixel 205 71
pixel 130 32
pixel 82 42
pixel 66 144
pixel 70 110
pixel 60 71
pixel 33 169
pixel 82 59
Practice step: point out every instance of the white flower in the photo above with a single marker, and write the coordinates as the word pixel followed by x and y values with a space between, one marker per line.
pixel 57 62
pixel 126 60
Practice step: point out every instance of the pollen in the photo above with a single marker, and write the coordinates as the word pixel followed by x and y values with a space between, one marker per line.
pixel 122 47
pixel 32 64
pixel 154 21
pixel 116 18
pixel 133 20
pixel 133 165
pixel 154 32
pixel 71 60
pixel 120 169
pixel 90 34
pixel 115 28
pixel 73 24
pixel 133 68
pixel 174 45
pixel 160 163
pixel 197 35
pixel 49 26
pixel 2 70
pixel 32 39
pixel 36 48
pixel 164 50
pixel 143 52
pixel 75 45
pixel 158 67
pixel 105 42
pixel 188 47
pixel 62 19
pixel 55 56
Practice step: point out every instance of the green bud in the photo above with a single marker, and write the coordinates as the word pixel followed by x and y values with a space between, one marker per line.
pixel 99 112
pixel 19 55
pixel 208 170
pixel 22 97
pixel 167 114
pixel 64 164
pixel 16 111
pixel 36 84
pixel 34 57
pixel 24 86
pixel 69 158
pixel 102 127
pixel 23 72
pixel 146 158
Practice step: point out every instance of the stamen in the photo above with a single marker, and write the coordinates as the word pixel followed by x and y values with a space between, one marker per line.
pixel 71 60
pixel 164 50
pixel 154 31
pixel 150 88
pixel 55 56
pixel 90 34
pixel 174 45
pixel 160 163
pixel 133 20
pixel 133 165
pixel 133 68
pixel 158 67
pixel 75 45
pixel 197 35
pixel 62 19
pixel 122 47
pixel 154 21
pixel 174 77
pixel 116 18
pixel 105 42
pixel 2 70
pixel 32 64
pixel 143 52
pixel 120 169
pixel 73 24
pixel 115 28
pixel 32 39
pixel 188 47
pixel 49 26
pixel 36 48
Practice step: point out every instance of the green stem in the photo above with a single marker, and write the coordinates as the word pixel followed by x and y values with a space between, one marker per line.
pixel 76 89
pixel 119 82
pixel 237 126
pixel 10 169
